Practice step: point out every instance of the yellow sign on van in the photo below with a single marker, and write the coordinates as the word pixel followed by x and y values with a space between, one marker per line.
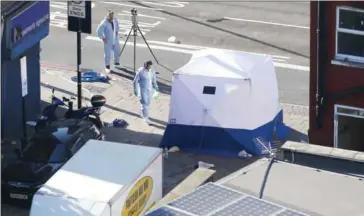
pixel 138 197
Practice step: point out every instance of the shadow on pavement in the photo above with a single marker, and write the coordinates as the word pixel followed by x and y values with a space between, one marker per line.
pixel 284 133
pixel 297 136
pixel 178 165
pixel 108 106
pixel 224 30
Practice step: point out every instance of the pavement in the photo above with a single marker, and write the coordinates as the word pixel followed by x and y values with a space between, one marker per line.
pixel 121 103
pixel 275 28
pixel 280 29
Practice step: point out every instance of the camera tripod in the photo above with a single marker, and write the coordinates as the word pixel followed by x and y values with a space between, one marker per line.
pixel 135 29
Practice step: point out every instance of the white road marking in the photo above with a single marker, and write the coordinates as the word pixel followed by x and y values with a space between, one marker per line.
pixel 173 4
pixel 292 66
pixel 59 5
pixel 126 24
pixel 140 24
pixel 127 13
pixel 63 5
pixel 194 47
pixel 185 51
pixel 129 5
pixel 278 60
pixel 143 45
pixel 268 23
pixel 58 19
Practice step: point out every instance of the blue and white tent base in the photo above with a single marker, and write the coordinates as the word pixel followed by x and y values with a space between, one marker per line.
pixel 224 142
pixel 221 101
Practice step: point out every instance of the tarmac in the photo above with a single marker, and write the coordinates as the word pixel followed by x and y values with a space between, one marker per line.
pixel 121 103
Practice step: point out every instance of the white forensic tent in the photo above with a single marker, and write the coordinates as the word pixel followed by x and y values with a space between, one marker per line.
pixel 221 100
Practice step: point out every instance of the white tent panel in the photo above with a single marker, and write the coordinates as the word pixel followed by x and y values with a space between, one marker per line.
pixel 245 90
pixel 210 66
pixel 231 111
pixel 189 106
pixel 265 96
pixel 239 62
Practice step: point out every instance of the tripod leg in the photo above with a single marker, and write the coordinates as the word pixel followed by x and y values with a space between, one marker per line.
pixel 150 50
pixel 127 38
pixel 135 35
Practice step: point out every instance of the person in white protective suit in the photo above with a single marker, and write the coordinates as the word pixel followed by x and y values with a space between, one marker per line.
pixel 108 31
pixel 145 80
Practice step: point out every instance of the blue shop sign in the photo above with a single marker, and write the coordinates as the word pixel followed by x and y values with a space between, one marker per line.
pixel 28 27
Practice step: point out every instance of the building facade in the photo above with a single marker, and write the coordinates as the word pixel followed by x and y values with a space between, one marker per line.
pixel 337 74
pixel 24 25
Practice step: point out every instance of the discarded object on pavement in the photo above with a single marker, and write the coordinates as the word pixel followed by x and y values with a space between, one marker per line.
pixel 202 164
pixel 173 149
pixel 215 83
pixel 120 123
pixel 244 154
pixel 91 76
pixel 173 39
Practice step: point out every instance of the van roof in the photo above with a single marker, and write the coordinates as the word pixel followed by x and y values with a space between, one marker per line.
pixel 99 170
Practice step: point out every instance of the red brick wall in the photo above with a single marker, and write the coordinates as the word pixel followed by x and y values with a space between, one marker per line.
pixel 338 78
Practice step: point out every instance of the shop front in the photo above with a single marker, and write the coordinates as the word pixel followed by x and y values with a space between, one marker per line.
pixel 24 25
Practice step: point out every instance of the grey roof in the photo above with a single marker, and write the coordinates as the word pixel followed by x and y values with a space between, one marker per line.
pixel 213 199
pixel 305 189
pixel 322 157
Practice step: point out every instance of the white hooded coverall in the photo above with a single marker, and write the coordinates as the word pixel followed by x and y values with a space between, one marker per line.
pixel 146 81
pixel 105 31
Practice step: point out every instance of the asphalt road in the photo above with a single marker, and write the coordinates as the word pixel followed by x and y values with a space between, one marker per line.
pixel 279 29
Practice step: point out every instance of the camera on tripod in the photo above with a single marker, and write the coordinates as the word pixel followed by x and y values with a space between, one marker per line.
pixel 134 17
pixel 135 30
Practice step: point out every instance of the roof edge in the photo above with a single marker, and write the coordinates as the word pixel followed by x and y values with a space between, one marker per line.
pixel 324 151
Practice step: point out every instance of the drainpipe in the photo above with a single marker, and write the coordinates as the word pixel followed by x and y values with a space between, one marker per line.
pixel 318 77
pixel 321 59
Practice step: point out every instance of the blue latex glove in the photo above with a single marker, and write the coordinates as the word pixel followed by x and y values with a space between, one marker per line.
pixel 156 89
pixel 136 92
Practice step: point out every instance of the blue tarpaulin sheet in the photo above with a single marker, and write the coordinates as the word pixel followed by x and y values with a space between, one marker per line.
pixel 91 76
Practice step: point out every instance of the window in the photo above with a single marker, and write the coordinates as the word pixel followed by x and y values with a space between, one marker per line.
pixel 209 90
pixel 350 34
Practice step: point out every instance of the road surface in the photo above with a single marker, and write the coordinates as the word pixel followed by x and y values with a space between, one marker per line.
pixel 278 29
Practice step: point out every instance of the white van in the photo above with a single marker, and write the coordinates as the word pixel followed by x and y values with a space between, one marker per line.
pixel 103 179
